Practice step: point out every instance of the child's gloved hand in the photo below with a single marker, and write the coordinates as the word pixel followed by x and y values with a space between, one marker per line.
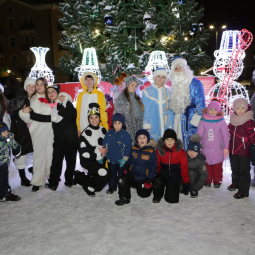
pixel 101 161
pixel 147 184
pixel 122 162
pixel 185 188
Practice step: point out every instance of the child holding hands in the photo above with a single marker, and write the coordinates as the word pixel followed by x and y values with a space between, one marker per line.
pixel 118 143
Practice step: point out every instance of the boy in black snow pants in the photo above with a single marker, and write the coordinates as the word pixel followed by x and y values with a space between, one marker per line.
pixel 142 169
pixel 196 165
pixel 6 142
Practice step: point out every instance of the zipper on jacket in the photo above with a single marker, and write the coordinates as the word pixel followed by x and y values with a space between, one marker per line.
pixel 169 160
pixel 234 141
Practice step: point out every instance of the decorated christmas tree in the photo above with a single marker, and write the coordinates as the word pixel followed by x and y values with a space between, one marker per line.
pixel 125 32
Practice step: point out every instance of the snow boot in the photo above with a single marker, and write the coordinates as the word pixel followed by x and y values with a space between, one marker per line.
pixel 155 201
pixel 11 197
pixel 52 185
pixel 193 193
pixel 217 185
pixel 122 201
pixel 110 191
pixel 35 188
pixel 207 185
pixel 238 196
pixel 24 181
pixel 89 191
pixel 69 184
pixel 232 187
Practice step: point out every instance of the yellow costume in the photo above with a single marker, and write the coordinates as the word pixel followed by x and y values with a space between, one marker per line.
pixel 83 101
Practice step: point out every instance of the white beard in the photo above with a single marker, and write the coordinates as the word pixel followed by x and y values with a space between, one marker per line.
pixel 180 91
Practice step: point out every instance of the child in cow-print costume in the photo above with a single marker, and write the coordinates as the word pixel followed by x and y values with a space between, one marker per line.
pixel 91 158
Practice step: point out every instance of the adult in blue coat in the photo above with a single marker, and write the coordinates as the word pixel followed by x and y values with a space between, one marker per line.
pixel 187 100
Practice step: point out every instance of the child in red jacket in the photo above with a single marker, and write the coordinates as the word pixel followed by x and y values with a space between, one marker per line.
pixel 172 169
pixel 241 129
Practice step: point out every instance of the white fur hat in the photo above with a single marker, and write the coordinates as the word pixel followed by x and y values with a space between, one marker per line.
pixel 28 81
pixel 160 71
pixel 178 62
pixel 2 88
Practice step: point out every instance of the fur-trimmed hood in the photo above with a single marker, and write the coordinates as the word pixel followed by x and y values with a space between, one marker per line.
pixel 178 146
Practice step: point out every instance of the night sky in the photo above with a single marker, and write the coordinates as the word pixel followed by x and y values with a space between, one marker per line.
pixel 236 14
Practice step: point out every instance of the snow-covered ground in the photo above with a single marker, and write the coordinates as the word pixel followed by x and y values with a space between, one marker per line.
pixel 69 222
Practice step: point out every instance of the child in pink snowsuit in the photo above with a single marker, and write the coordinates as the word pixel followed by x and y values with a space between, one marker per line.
pixel 215 141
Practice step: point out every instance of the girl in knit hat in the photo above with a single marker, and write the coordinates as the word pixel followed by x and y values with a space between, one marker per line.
pixel 214 142
pixel 130 105
pixel 241 129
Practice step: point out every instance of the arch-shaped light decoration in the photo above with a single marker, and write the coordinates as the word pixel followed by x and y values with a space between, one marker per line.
pixel 89 64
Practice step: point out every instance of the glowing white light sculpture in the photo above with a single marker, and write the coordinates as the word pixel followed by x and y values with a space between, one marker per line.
pixel 157 60
pixel 40 69
pixel 228 66
pixel 89 64
pixel 228 43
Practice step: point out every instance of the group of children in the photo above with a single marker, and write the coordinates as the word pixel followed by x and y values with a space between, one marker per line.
pixel 45 121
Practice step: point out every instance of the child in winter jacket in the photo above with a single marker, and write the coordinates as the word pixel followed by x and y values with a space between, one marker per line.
pixel 196 165
pixel 241 129
pixel 252 146
pixel 6 142
pixel 172 169
pixel 118 143
pixel 215 141
pixel 142 168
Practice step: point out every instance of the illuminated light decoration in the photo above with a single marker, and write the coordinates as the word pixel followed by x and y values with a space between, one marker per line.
pixel 40 69
pixel 157 60
pixel 89 64
pixel 108 20
pixel 234 55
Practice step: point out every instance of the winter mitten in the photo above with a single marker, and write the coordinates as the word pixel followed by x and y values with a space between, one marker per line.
pixel 164 172
pixel 147 184
pixel 101 161
pixel 122 162
pixel 185 188
pixel 54 115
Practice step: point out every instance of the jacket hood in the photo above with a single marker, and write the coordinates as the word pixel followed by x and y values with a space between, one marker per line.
pixel 178 146
pixel 84 87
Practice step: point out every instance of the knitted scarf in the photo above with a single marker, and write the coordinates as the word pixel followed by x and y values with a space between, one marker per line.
pixel 236 120
pixel 208 118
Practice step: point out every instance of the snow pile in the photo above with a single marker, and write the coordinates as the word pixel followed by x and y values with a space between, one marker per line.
pixel 69 222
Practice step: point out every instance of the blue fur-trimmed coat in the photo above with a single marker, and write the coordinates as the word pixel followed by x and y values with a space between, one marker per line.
pixel 197 104
pixel 156 119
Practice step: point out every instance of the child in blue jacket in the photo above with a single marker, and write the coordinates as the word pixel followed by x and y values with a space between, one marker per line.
pixel 118 144
pixel 6 143
pixel 142 169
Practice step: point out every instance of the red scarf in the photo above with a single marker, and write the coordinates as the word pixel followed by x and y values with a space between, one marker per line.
pixel 43 100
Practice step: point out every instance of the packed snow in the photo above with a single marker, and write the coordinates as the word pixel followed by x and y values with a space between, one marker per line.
pixel 67 221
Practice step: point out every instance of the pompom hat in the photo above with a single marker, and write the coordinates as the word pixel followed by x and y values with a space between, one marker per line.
pixel 240 102
pixel 132 78
pixel 160 71
pixel 28 81
pixel 214 104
